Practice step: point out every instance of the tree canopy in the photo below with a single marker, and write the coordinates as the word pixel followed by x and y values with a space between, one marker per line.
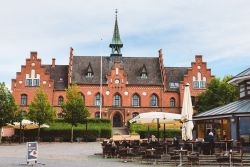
pixel 7 107
pixel 218 93
pixel 74 110
pixel 40 110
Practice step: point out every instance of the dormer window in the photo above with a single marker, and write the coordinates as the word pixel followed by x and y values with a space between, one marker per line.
pixel 144 74
pixel 173 85
pixel 90 72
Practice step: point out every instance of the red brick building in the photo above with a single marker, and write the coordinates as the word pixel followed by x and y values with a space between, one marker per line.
pixel 130 85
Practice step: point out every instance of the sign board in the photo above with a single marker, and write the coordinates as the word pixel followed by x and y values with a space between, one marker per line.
pixel 32 151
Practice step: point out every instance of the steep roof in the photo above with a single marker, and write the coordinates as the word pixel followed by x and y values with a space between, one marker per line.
pixel 131 65
pixel 244 75
pixel 59 74
pixel 175 75
pixel 237 108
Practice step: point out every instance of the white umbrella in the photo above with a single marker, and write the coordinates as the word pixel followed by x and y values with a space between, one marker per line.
pixel 153 117
pixel 27 125
pixel 187 115
pixel 156 117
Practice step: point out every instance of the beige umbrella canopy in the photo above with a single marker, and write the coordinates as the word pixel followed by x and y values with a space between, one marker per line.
pixel 187 115
pixel 156 117
pixel 27 125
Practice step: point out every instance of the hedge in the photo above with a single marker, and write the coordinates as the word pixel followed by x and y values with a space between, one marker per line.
pixel 97 128
pixel 142 130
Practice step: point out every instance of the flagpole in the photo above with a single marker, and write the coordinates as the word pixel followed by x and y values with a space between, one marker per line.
pixel 101 82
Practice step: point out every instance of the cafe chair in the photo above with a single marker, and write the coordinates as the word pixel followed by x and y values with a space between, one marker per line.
pixel 193 158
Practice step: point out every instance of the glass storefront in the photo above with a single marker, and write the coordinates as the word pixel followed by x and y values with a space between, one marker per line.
pixel 220 128
pixel 244 123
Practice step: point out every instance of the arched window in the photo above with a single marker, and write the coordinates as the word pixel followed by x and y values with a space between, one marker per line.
pixel 60 100
pixel 98 99
pixel 82 96
pixel 117 100
pixel 136 100
pixel 172 102
pixel 154 101
pixel 97 114
pixel 135 114
pixel 24 100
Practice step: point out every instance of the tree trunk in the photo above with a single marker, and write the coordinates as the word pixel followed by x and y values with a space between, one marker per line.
pixel 20 133
pixel 86 133
pixel 38 134
pixel 1 128
pixel 72 134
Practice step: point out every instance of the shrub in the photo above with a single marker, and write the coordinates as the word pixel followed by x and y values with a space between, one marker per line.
pixel 96 128
pixel 142 130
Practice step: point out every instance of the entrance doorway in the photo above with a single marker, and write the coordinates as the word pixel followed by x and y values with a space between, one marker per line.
pixel 117 120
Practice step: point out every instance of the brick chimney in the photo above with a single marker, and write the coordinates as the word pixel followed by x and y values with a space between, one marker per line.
pixel 53 62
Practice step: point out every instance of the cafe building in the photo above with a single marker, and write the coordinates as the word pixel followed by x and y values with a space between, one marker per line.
pixel 231 121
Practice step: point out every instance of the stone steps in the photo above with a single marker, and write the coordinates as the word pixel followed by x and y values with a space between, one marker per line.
pixel 120 131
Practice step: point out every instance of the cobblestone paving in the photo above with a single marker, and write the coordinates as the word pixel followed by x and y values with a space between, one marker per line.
pixel 61 155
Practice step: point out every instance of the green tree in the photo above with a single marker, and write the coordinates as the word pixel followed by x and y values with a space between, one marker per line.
pixel 20 115
pixel 40 110
pixel 7 107
pixel 218 93
pixel 74 110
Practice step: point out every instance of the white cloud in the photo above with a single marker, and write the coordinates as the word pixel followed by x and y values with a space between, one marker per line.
pixel 219 30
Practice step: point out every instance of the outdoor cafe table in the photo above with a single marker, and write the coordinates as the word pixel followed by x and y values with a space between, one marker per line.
pixel 181 151
pixel 150 151
pixel 226 142
pixel 192 144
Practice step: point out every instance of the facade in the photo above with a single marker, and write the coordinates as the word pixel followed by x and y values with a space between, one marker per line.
pixel 232 120
pixel 121 89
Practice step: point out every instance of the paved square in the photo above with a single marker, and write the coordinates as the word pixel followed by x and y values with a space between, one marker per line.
pixel 61 155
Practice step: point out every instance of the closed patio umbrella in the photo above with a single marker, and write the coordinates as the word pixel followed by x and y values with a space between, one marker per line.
pixel 187 115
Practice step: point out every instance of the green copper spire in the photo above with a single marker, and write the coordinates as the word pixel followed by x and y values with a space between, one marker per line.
pixel 116 43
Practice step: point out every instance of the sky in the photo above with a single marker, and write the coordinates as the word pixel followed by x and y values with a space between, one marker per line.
pixel 217 29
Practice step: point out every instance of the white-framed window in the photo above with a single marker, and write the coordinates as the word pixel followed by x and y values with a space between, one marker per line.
pixel 154 101
pixel 28 82
pixel 172 102
pixel 36 82
pixel 144 75
pixel 24 100
pixel 98 99
pixel 60 100
pixel 173 85
pixel 89 74
pixel 203 84
pixel 136 100
pixel 117 100
pixel 196 84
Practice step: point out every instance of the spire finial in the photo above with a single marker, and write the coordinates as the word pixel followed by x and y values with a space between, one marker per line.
pixel 116 11
pixel 116 43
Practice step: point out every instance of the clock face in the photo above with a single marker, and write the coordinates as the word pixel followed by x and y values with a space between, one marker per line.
pixel 117 81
